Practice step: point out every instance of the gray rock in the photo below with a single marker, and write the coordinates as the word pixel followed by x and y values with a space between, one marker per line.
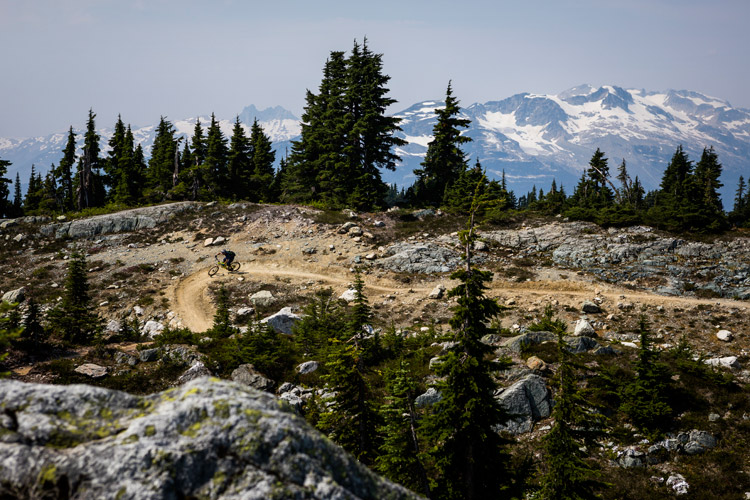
pixel 283 321
pixel 577 345
pixel 181 354
pixel 246 374
pixel 678 484
pixel 426 258
pixel 526 401
pixel 125 221
pixel 244 314
pixel 590 307
pixel 294 400
pixel 198 370
pixel 518 343
pixel 699 442
pixel 355 231
pixel 437 292
pixel 632 458
pixel 152 328
pixel 219 240
pixel 16 295
pixel 263 298
pixel 125 358
pixel 429 398
pixel 205 439
pixel 584 328
pixel 148 355
pixel 91 370
pixel 307 367
pixel 378 223
pixel 113 327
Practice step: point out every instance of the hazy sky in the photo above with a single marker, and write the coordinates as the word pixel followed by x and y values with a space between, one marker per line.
pixel 181 58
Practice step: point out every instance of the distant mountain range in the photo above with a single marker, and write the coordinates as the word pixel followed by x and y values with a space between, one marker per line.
pixel 533 138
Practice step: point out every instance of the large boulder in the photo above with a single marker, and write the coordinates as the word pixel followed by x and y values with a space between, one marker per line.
pixel 16 295
pixel 526 401
pixel 283 321
pixel 205 439
pixel 519 342
pixel 262 298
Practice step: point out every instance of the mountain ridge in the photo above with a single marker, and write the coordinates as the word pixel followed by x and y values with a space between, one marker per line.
pixel 532 138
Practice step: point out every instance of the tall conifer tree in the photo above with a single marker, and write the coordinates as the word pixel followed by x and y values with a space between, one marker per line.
pixel 444 161
pixel 218 181
pixel 263 157
pixel 64 173
pixel 6 207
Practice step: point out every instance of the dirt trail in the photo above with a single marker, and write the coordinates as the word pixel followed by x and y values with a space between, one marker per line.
pixel 192 303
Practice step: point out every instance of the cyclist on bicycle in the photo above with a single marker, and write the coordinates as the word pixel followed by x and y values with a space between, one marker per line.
pixel 228 257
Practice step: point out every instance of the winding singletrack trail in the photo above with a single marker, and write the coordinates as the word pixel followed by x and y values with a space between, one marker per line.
pixel 192 302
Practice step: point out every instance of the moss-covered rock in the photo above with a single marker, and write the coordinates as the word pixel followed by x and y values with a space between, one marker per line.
pixel 206 439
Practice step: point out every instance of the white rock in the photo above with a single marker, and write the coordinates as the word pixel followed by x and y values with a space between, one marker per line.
pixel 138 310
pixel 152 328
pixel 219 240
pixel 91 370
pixel 725 362
pixel 208 242
pixel 349 295
pixel 283 321
pixel 262 298
pixel 307 367
pixel 724 335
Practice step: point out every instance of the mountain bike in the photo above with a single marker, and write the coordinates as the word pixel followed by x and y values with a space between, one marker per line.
pixel 234 266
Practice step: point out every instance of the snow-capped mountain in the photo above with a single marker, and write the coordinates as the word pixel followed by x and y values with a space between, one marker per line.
pixel 279 124
pixel 535 138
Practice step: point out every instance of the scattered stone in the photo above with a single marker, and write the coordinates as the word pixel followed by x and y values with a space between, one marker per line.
pixel 349 295
pixel 678 484
pixel 583 329
pixel 345 228
pixel 378 223
pixel 536 364
pixel 371 256
pixel 152 328
pixel 724 335
pixel 355 231
pixel 113 327
pixel 283 321
pixel 91 370
pixel 219 240
pixel 725 362
pixel 577 345
pixel 480 246
pixel 208 242
pixel 437 292
pixel 263 298
pixel 244 314
pixel 307 367
pixel 196 371
pixel 632 458
pixel 590 307
pixel 518 343
pixel 148 355
pixel 309 250
pixel 125 358
pixel 138 310
pixel 246 374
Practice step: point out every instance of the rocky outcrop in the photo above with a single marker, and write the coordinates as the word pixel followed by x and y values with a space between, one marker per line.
pixel 283 321
pixel 125 221
pixel 526 402
pixel 206 439
pixel 629 254
pixel 426 258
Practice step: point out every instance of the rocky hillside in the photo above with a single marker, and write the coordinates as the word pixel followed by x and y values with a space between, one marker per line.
pixel 147 270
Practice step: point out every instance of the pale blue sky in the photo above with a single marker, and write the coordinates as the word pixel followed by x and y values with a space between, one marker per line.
pixel 181 58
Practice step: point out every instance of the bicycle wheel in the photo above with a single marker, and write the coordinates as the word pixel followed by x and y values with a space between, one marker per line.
pixel 234 266
pixel 213 271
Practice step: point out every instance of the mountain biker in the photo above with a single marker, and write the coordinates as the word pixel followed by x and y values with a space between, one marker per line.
pixel 228 257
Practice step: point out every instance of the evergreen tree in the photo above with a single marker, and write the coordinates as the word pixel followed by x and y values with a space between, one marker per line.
pixel 33 331
pixel 707 174
pixel 468 452
pixel 33 191
pixel 218 181
pixel 370 141
pixel 263 157
pixel 64 174
pixel 444 161
pixel 112 162
pixel 740 214
pixel 161 165
pixel 351 419
pixel 6 207
pixel 222 327
pixel 567 475
pixel 646 398
pixel 73 318
pixel 400 456
pixel 89 183
pixel 48 202
pixel 240 164
pixel 17 197
pixel 7 331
